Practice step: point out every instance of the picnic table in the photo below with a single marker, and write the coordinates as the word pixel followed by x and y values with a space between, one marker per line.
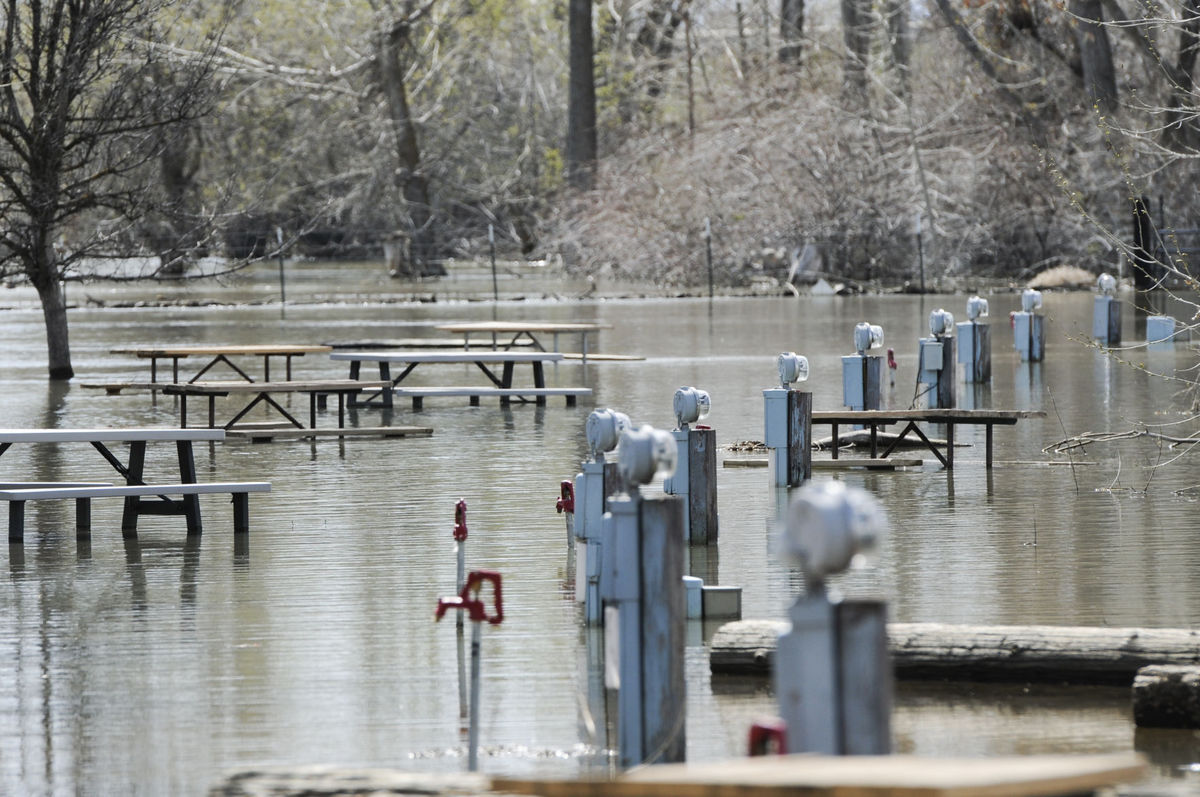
pixel 261 393
pixel 132 470
pixel 524 331
pixel 222 354
pixel 873 419
pixel 507 360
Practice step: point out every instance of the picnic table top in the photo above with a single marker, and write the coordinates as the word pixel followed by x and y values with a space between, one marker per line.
pixel 464 356
pixel 214 351
pixel 522 326
pixel 306 386
pixel 118 435
pixel 930 415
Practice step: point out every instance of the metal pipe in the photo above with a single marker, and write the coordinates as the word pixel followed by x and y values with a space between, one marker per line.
pixel 473 733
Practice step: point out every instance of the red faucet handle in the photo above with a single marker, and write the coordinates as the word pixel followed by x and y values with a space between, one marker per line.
pixel 470 594
pixel 460 521
pixel 768 737
pixel 566 499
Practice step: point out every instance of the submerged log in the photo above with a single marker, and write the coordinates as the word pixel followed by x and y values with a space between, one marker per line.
pixel 1070 654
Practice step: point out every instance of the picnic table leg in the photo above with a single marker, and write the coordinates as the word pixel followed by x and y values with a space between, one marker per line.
pixel 539 375
pixel 874 441
pixel 16 522
pixel 174 369
pixel 950 446
pixel 834 444
pixel 133 475
pixel 212 411
pixel 506 376
pixel 83 517
pixel 385 374
pixel 312 409
pixel 241 513
pixel 266 368
pixel 988 438
pixel 187 475
pixel 287 364
pixel 341 410
pixel 183 410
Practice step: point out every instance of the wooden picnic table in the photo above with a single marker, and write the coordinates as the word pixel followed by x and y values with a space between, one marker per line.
pixel 133 469
pixel 524 329
pixel 222 354
pixel 480 359
pixel 873 419
pixel 260 393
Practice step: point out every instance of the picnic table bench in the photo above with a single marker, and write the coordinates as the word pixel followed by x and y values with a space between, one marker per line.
pixel 136 503
pixel 502 385
pixel 261 393
pixel 873 419
pixel 140 498
pixel 220 354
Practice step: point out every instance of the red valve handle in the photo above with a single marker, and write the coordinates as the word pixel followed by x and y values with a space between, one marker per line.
pixel 566 501
pixel 767 737
pixel 460 521
pixel 468 600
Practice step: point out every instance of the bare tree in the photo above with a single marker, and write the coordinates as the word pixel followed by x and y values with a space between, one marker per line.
pixel 80 110
pixel 791 29
pixel 1095 54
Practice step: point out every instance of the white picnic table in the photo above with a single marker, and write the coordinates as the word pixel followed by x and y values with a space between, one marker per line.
pixel 133 469
pixel 508 360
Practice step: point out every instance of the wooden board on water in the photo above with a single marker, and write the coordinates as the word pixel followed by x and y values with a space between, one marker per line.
pixel 891 463
pixel 292 433
pixel 1013 653
pixel 854 776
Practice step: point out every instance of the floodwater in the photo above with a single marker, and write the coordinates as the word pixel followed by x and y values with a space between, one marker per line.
pixel 153 667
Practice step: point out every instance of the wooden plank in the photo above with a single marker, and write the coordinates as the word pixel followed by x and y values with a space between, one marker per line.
pixel 981 652
pixel 854 776
pixel 310 386
pixel 129 435
pixel 514 327
pixel 891 463
pixel 451 357
pixel 930 416
pixel 597 357
pixel 134 490
pixel 212 351
pixel 492 391
pixel 292 433
pixel 115 388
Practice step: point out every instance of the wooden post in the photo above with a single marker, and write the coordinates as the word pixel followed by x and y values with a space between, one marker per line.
pixel 799 456
pixel 702 486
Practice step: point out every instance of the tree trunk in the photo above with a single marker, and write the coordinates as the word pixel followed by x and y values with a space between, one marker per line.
pixel 1095 55
pixel 413 184
pixel 581 100
pixel 791 28
pixel 54 311
pixel 856 30
pixel 1181 129
pixel 900 40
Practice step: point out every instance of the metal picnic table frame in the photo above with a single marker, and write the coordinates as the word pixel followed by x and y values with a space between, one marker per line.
pixel 316 390
pixel 873 419
pixel 222 354
pixel 524 329
pixel 480 359
pixel 132 471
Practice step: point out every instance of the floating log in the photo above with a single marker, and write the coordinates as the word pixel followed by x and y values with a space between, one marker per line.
pixel 1167 696
pixel 764 776
pixel 1069 654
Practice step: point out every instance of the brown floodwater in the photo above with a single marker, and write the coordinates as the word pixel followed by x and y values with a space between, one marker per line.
pixel 152 667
